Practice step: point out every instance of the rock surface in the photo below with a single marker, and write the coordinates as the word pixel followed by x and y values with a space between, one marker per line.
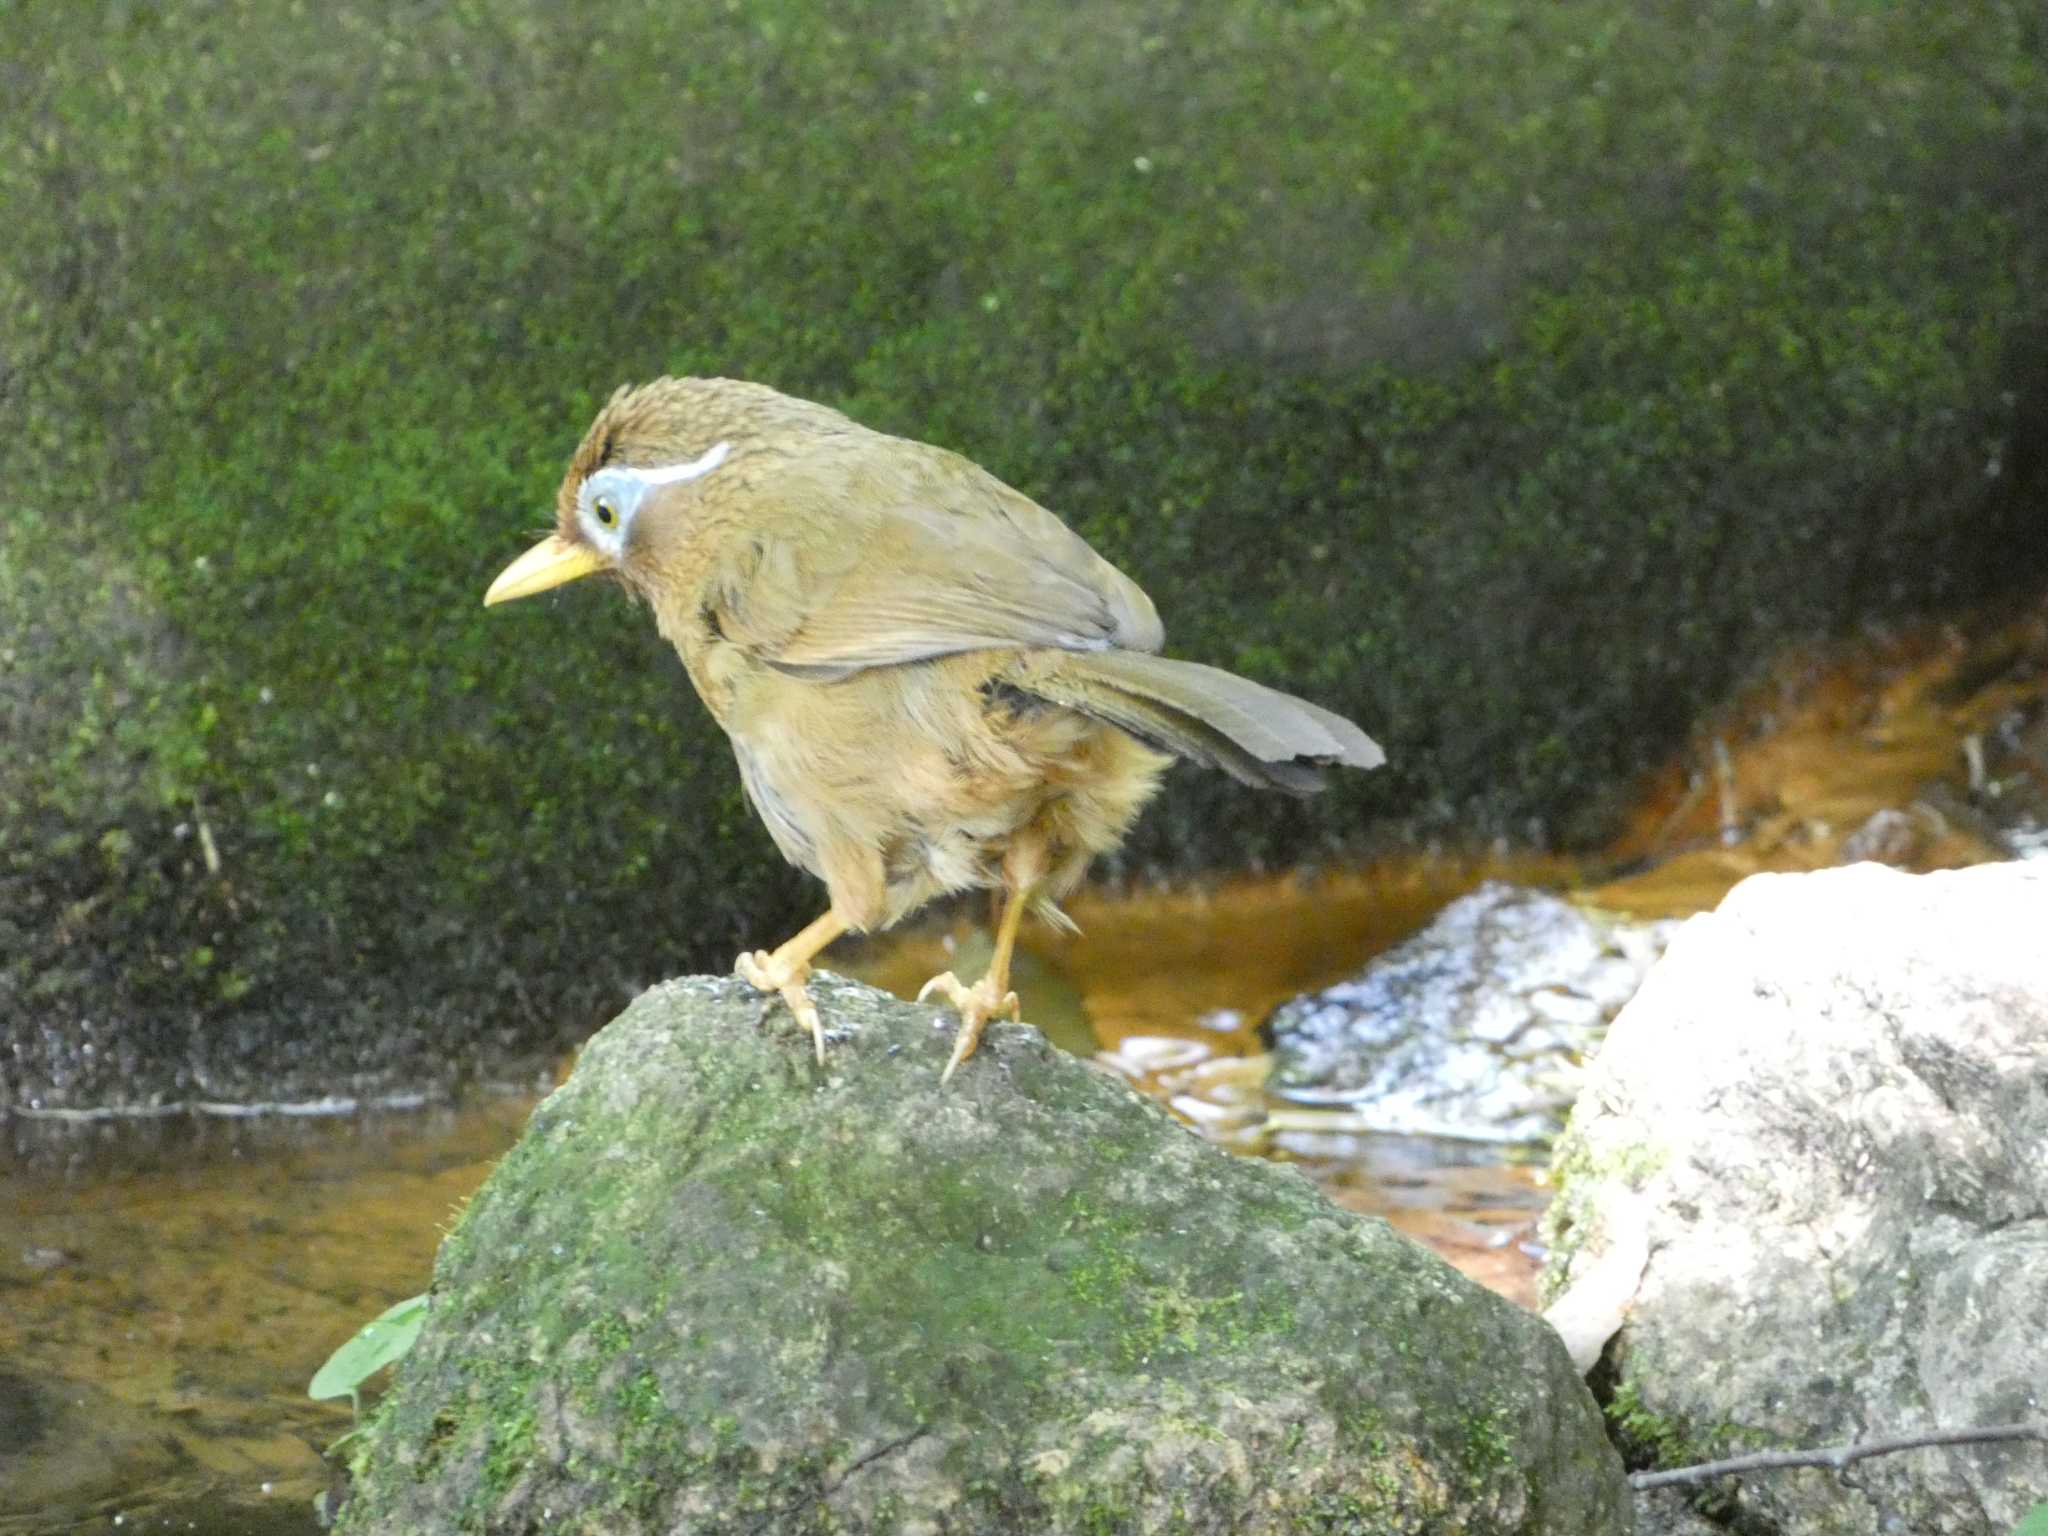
pixel 715 1289
pixel 1830 1102
pixel 1476 1027
pixel 1670 1512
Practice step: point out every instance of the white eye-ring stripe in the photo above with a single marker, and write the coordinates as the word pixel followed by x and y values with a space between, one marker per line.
pixel 695 469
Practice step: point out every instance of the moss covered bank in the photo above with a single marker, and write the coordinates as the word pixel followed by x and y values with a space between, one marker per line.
pixel 1506 376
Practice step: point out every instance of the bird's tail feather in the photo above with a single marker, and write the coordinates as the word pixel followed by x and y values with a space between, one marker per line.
pixel 1253 733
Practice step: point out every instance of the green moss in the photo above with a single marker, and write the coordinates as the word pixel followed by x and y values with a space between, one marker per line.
pixel 1510 378
pixel 1489 1446
pixel 1580 1174
pixel 511 1446
pixel 1648 1438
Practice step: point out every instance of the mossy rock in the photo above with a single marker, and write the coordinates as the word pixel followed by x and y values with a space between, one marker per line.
pixel 1509 377
pixel 719 1289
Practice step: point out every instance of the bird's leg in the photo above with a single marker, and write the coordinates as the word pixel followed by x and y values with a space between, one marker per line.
pixel 991 996
pixel 988 997
pixel 789 967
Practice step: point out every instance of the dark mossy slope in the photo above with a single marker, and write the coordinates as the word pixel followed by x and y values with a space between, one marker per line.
pixel 717 1289
pixel 1505 375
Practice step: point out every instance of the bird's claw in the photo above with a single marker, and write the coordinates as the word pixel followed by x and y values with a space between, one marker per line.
pixel 759 969
pixel 976 1005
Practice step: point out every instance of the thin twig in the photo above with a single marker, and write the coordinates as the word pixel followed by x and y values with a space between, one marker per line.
pixel 1835 1456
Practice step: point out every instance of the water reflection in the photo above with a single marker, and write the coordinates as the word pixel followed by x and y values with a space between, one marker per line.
pixel 170 1286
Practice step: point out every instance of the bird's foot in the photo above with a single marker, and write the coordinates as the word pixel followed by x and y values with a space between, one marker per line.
pixel 976 1005
pixel 759 968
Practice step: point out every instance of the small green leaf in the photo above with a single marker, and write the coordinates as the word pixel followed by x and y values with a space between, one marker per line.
pixel 380 1341
pixel 2034 1523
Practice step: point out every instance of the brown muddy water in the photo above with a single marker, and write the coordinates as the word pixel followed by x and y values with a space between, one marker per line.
pixel 167 1289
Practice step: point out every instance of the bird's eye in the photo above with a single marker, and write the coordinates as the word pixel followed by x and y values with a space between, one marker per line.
pixel 607 513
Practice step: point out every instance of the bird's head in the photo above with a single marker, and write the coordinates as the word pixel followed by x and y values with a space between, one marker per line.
pixel 638 472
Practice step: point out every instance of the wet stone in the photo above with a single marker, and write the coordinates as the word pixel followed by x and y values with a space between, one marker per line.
pixel 1474 1028
pixel 67 1444
pixel 716 1288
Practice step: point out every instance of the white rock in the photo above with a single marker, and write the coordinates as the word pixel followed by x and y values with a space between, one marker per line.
pixel 1832 1094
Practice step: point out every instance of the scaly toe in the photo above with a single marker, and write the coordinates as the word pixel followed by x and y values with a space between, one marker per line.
pixel 963 1047
pixel 948 985
pixel 798 997
pixel 976 1005
pixel 757 969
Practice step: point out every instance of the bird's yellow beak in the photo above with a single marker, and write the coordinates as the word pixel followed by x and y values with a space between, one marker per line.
pixel 549 563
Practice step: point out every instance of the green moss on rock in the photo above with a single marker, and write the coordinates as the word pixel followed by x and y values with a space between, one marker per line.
pixel 714 1286
pixel 1506 376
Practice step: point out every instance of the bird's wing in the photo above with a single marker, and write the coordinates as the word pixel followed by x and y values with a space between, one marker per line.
pixel 918 553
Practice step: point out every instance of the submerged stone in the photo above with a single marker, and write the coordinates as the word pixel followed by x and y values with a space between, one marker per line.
pixel 1475 1028
pixel 717 1288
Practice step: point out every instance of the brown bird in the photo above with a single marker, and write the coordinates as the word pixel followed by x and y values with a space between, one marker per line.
pixel 931 683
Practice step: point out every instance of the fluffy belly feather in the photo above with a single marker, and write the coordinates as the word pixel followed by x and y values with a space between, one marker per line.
pixel 972 765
